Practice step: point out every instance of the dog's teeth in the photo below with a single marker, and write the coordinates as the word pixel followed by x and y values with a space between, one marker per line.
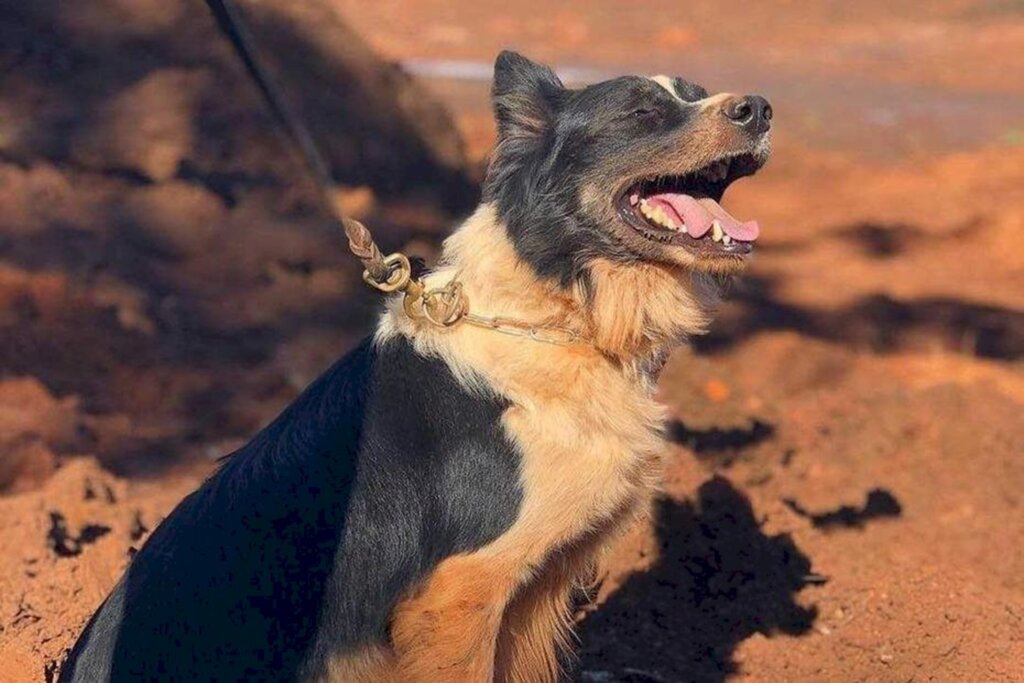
pixel 659 216
pixel 716 231
pixel 634 199
pixel 726 240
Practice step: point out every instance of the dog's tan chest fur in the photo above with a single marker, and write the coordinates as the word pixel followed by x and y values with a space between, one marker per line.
pixel 588 454
pixel 584 421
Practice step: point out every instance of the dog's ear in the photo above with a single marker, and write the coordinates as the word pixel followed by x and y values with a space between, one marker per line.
pixel 525 95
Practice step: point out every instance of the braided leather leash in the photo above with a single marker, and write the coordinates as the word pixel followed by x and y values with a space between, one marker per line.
pixel 443 306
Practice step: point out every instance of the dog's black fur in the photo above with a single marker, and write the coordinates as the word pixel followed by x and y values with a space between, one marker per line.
pixel 299 547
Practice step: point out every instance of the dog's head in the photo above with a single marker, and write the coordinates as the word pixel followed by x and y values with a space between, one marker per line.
pixel 628 170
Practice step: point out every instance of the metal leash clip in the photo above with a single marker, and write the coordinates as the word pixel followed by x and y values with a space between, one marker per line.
pixel 440 306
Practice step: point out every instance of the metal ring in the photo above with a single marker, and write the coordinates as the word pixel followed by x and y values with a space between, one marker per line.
pixel 398 277
pixel 451 291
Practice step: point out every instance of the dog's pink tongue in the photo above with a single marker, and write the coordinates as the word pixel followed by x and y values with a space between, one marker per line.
pixel 699 213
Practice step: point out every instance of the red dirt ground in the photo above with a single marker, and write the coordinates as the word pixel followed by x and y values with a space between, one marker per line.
pixel 845 497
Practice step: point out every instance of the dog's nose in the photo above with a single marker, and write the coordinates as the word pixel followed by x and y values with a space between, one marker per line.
pixel 750 112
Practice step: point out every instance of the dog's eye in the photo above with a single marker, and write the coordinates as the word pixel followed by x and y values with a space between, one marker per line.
pixel 643 113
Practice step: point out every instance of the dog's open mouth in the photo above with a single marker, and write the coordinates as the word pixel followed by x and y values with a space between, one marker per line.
pixel 685 211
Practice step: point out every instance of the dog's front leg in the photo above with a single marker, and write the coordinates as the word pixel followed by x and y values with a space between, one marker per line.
pixel 537 625
pixel 447 630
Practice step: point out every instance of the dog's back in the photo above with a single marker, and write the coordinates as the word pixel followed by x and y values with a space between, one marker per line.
pixel 295 551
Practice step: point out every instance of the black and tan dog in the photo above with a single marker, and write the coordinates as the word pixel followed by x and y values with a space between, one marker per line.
pixel 423 511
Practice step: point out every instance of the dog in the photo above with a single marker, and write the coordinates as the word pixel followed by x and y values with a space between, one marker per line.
pixel 425 509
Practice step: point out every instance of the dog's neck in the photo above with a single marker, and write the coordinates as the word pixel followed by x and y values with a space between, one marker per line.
pixel 631 313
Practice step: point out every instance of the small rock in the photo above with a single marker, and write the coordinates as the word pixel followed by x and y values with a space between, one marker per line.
pixel 716 390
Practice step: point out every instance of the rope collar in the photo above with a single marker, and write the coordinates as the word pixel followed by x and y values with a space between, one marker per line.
pixel 447 306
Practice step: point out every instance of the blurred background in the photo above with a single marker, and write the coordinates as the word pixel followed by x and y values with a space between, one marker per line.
pixel 845 495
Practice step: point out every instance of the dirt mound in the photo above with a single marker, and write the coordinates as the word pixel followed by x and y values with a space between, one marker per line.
pixel 65 546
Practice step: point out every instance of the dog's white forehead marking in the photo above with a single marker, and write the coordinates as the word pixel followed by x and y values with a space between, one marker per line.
pixel 666 83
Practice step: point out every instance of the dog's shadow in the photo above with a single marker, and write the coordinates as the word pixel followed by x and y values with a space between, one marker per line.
pixel 719 579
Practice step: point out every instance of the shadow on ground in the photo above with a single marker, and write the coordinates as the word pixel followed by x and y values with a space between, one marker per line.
pixel 878 323
pixel 717 446
pixel 879 504
pixel 719 580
